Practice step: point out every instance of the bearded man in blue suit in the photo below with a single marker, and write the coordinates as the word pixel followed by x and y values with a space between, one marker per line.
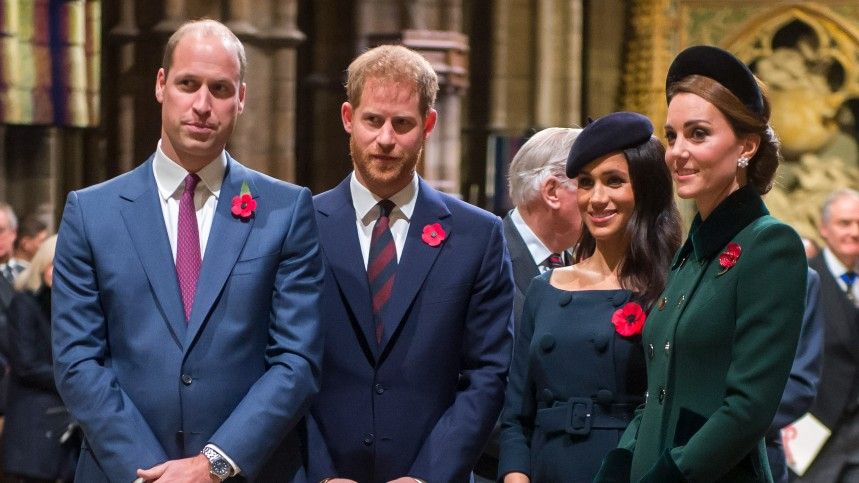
pixel 418 297
pixel 186 295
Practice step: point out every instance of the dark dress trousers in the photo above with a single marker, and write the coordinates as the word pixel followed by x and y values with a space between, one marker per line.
pixel 423 402
pixel 719 346
pixel 574 384
pixel 36 418
pixel 837 402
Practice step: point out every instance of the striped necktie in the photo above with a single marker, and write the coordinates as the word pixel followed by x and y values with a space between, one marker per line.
pixel 849 278
pixel 381 264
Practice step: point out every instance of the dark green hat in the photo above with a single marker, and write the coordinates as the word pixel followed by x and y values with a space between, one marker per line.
pixel 611 133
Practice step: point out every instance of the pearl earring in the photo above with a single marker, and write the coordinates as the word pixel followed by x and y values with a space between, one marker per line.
pixel 743 162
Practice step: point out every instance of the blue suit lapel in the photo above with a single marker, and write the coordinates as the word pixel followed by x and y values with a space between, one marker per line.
pixel 343 253
pixel 144 221
pixel 417 258
pixel 226 240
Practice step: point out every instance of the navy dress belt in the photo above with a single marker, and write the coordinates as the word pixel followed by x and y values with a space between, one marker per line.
pixel 579 415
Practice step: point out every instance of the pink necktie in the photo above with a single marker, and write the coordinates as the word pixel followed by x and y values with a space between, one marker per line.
pixel 188 245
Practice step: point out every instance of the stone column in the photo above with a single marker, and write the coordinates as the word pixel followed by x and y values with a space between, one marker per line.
pixel 285 38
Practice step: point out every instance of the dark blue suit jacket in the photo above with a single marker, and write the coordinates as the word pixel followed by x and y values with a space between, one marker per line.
pixel 424 402
pixel 804 376
pixel 147 387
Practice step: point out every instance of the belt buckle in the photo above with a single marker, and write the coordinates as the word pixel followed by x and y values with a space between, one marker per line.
pixel 579 415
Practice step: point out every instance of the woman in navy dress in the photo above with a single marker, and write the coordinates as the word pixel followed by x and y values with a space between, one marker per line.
pixel 578 368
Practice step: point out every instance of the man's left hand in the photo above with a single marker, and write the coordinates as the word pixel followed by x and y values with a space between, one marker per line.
pixel 187 470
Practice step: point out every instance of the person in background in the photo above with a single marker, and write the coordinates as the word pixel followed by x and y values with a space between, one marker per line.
pixel 722 338
pixel 578 368
pixel 544 226
pixel 39 440
pixel 837 402
pixel 804 379
pixel 31 233
pixel 418 297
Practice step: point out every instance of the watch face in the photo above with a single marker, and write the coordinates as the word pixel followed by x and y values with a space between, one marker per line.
pixel 220 468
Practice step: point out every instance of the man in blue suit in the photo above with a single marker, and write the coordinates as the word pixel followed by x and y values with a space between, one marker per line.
pixel 186 295
pixel 418 296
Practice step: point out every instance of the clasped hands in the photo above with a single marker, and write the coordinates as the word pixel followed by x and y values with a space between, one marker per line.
pixel 186 470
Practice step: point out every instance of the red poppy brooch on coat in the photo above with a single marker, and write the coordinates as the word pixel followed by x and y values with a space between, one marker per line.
pixel 629 319
pixel 729 257
pixel 244 204
pixel 433 234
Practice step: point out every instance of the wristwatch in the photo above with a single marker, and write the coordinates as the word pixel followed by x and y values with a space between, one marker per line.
pixel 218 466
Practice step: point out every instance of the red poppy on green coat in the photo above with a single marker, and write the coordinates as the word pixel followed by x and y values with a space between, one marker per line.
pixel 729 257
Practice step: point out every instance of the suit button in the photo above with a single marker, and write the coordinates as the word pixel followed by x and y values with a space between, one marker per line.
pixel 187 379
pixel 379 389
pixel 548 396
pixel 368 439
pixel 661 394
pixel 547 343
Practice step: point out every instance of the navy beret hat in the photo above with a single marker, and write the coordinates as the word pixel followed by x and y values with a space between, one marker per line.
pixel 609 134
pixel 722 67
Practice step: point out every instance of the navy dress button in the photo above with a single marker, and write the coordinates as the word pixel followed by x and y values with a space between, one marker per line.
pixel 548 396
pixel 600 342
pixel 368 439
pixel 379 389
pixel 604 396
pixel 565 300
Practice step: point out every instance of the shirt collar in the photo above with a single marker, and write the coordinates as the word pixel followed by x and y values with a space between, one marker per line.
pixel 834 264
pixel 738 210
pixel 365 201
pixel 170 177
pixel 539 251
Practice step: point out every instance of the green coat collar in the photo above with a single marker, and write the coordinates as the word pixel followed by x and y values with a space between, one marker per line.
pixel 733 214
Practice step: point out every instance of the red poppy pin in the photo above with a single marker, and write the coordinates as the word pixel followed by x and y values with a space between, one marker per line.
pixel 729 257
pixel 244 204
pixel 629 319
pixel 433 234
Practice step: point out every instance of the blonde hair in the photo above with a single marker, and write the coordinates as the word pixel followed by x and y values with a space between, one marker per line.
pixel 31 278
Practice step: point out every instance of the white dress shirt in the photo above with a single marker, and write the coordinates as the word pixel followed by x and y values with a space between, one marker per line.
pixel 170 178
pixel 539 252
pixel 367 213
pixel 836 268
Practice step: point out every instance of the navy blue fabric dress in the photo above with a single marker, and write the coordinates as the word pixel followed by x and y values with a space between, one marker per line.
pixel 574 384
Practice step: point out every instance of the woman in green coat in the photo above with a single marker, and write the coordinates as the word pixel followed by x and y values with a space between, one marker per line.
pixel 720 342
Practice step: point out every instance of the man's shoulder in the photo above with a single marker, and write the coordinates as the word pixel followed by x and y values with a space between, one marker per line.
pixel 266 182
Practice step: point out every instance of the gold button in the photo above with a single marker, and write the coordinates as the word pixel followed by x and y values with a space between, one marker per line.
pixel 682 299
